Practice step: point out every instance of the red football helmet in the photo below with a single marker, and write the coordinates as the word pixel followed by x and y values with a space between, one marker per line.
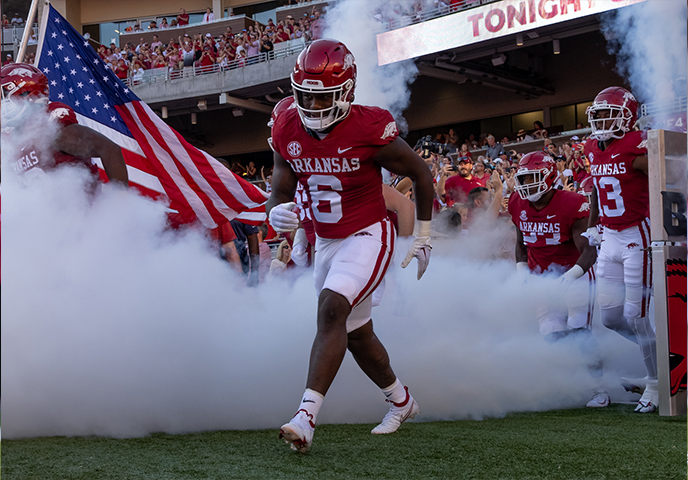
pixel 622 117
pixel 324 77
pixel 543 170
pixel 585 188
pixel 21 82
pixel 282 106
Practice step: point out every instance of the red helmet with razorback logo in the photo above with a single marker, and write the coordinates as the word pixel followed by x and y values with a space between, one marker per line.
pixel 622 117
pixel 323 81
pixel 535 176
pixel 585 187
pixel 21 83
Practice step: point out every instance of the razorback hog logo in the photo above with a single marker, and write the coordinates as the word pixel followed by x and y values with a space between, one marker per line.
pixel 584 207
pixel 59 113
pixel 21 71
pixel 631 246
pixel 390 130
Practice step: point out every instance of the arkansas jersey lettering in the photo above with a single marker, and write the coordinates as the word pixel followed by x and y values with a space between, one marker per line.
pixel 324 165
pixel 341 180
pixel 622 191
pixel 607 169
pixel 539 227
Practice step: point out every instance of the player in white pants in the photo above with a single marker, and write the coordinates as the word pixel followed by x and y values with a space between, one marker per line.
pixel 620 200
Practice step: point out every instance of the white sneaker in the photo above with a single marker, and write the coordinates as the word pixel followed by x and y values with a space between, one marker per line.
pixel 398 413
pixel 650 399
pixel 599 399
pixel 299 431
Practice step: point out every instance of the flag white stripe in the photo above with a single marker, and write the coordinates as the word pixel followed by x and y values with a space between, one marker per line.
pixel 139 177
pixel 120 139
pixel 251 216
pixel 170 167
pixel 183 156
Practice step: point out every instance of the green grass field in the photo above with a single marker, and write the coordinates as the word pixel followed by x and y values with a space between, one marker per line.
pixel 611 443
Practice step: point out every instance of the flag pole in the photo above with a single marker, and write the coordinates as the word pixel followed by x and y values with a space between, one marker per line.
pixel 41 30
pixel 27 30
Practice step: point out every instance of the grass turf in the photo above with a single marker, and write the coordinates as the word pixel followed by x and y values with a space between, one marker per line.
pixel 610 443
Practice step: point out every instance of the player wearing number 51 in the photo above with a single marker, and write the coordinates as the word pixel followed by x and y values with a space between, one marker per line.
pixel 618 164
pixel 336 151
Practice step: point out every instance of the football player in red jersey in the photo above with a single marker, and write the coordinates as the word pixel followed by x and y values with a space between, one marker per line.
pixel 550 224
pixel 618 165
pixel 336 151
pixel 24 89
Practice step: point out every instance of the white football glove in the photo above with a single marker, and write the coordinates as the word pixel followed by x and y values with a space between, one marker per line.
pixel 559 288
pixel 420 248
pixel 299 252
pixel 283 219
pixel 593 236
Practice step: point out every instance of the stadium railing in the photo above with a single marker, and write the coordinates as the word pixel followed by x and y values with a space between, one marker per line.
pixel 155 75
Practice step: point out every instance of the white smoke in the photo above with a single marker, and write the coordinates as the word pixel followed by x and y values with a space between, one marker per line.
pixel 650 42
pixel 357 24
pixel 113 326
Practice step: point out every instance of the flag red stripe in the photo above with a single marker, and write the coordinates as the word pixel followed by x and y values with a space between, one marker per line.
pixel 173 192
pixel 162 146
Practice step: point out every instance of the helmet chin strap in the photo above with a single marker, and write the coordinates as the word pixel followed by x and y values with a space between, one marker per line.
pixel 535 197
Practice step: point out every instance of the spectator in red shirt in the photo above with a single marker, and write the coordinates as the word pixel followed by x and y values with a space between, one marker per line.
pixel 121 70
pixel 479 173
pixel 207 57
pixel 182 18
pixel 8 59
pixel 281 36
pixel 456 188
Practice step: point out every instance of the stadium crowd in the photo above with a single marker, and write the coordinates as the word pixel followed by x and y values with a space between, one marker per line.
pixel 203 50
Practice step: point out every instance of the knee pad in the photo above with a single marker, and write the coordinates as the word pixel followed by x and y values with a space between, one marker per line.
pixel 613 318
pixel 632 305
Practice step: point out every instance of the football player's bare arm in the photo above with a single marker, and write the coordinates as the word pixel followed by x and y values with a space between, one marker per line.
pixel 404 208
pixel 521 251
pixel 283 183
pixel 398 157
pixel 232 256
pixel 83 142
pixel 594 209
pixel 640 163
pixel 588 253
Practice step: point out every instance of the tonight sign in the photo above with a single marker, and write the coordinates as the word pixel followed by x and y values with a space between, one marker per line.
pixel 483 23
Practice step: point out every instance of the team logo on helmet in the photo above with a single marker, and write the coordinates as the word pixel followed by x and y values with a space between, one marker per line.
pixel 294 149
pixel 21 71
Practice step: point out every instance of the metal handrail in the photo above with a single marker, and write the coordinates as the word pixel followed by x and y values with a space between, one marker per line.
pixel 168 74
pixel 676 105
pixel 428 14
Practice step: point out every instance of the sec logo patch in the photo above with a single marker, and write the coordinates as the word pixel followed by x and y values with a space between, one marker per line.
pixel 294 149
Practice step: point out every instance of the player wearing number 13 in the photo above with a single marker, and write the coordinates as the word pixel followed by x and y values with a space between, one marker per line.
pixel 618 164
pixel 335 150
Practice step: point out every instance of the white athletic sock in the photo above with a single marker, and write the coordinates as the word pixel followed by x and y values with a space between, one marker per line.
pixel 395 392
pixel 311 403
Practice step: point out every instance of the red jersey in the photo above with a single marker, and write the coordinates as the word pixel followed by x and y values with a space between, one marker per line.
pixel 457 189
pixel 547 233
pixel 622 191
pixel 343 183
pixel 34 158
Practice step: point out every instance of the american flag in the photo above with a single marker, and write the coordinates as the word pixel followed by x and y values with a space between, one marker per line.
pixel 159 160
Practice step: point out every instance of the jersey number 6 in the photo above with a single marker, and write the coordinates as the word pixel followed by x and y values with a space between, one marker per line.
pixel 326 202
